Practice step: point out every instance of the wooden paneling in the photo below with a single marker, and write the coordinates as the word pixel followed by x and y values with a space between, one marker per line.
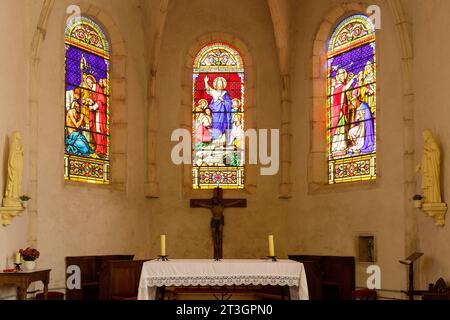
pixel 328 277
pixel 120 279
pixel 91 268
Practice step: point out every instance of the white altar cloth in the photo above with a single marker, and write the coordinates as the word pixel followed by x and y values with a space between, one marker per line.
pixel 175 273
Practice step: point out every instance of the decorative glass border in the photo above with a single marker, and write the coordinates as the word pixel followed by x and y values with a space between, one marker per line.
pixel 75 40
pixel 201 64
pixel 368 35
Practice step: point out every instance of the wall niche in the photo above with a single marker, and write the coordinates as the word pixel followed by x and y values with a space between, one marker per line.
pixel 366 248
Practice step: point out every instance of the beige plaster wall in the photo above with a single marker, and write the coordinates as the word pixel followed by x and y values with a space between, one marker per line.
pixel 14 106
pixel 431 20
pixel 328 221
pixel 80 219
pixel 71 219
pixel 188 230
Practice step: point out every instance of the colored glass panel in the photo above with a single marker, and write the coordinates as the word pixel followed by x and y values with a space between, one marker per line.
pixel 87 103
pixel 218 118
pixel 351 102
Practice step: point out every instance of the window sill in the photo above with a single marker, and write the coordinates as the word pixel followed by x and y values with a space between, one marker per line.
pixel 189 193
pixel 120 187
pixel 325 188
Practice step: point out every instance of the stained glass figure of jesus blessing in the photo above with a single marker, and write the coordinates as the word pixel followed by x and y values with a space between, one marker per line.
pixel 218 121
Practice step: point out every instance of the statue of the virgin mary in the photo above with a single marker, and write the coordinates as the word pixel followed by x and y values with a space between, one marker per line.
pixel 430 166
pixel 15 171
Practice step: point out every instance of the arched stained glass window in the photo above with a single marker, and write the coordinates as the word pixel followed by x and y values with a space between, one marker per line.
pixel 351 103
pixel 87 108
pixel 218 149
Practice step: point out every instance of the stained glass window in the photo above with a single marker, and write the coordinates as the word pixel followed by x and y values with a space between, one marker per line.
pixel 87 103
pixel 218 120
pixel 351 103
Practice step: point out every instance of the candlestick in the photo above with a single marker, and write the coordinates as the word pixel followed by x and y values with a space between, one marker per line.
pixel 163 245
pixel 271 247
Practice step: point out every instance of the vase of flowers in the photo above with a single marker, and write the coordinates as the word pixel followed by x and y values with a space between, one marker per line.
pixel 417 199
pixel 29 256
pixel 24 200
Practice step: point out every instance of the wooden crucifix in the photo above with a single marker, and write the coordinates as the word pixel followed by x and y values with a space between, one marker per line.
pixel 217 204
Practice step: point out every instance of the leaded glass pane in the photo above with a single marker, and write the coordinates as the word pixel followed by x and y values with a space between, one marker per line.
pixel 87 103
pixel 218 120
pixel 351 102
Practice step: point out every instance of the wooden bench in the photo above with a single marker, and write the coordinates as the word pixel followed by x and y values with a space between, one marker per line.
pixel 437 291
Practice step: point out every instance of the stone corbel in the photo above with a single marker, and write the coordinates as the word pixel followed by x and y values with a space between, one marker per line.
pixel 436 211
pixel 8 213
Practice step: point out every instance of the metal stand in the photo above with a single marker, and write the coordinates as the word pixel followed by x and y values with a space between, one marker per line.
pixel 225 294
pixel 410 263
pixel 163 258
pixel 17 267
pixel 273 258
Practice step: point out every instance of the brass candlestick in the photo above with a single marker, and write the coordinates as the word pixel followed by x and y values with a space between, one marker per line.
pixel 163 258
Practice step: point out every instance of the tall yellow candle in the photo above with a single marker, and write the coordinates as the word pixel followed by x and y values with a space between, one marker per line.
pixel 17 257
pixel 163 245
pixel 271 247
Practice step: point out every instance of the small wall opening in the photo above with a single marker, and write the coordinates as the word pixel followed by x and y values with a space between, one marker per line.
pixel 366 248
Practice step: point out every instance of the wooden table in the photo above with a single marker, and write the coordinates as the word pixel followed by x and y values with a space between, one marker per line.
pixel 23 279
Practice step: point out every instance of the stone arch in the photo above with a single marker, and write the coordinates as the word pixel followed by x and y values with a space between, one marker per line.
pixel 404 35
pixel 186 103
pixel 119 121
pixel 280 13
pixel 152 125
pixel 317 164
pixel 318 173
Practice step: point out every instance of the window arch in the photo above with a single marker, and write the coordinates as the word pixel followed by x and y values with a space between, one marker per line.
pixel 351 101
pixel 87 103
pixel 218 122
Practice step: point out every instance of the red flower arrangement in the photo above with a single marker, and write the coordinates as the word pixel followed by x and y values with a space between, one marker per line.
pixel 29 254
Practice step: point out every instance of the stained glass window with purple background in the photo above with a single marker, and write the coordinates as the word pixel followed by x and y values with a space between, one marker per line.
pixel 351 102
pixel 87 103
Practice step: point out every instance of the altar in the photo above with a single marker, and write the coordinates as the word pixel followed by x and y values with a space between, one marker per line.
pixel 175 273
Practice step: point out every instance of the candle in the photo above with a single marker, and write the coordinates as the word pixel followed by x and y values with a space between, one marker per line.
pixel 271 247
pixel 17 257
pixel 163 245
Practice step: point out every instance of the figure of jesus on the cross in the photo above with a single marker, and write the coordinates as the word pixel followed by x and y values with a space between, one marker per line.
pixel 217 204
